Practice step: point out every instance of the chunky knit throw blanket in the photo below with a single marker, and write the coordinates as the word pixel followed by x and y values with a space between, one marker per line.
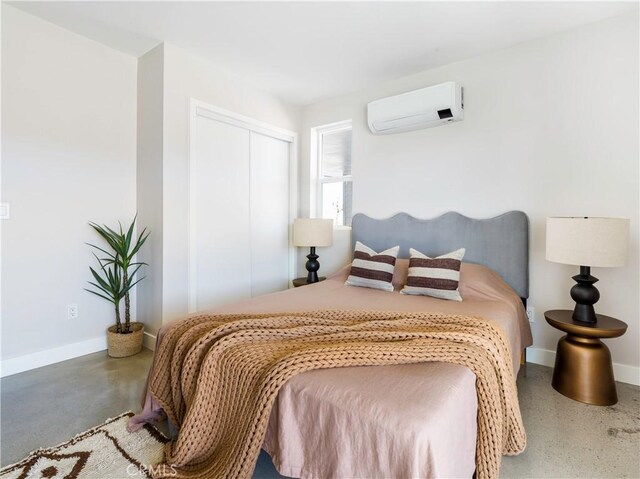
pixel 217 377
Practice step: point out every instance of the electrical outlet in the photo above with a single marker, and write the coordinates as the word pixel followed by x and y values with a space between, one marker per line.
pixel 531 314
pixel 72 311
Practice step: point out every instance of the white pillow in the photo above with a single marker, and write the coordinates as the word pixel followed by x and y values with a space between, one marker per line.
pixel 436 277
pixel 372 270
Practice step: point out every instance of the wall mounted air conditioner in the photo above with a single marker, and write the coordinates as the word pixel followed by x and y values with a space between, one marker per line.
pixel 425 108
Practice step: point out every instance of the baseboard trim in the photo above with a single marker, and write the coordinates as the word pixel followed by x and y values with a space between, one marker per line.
pixel 9 367
pixel 149 341
pixel 622 372
pixel 544 357
pixel 19 364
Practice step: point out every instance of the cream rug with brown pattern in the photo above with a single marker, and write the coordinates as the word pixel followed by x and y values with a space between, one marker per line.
pixel 104 452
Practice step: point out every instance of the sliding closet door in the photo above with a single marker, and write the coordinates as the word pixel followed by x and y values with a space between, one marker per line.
pixel 269 214
pixel 239 208
pixel 220 214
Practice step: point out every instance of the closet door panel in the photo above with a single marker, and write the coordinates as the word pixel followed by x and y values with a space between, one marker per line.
pixel 269 214
pixel 221 264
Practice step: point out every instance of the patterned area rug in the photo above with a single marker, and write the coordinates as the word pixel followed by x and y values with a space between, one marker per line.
pixel 108 451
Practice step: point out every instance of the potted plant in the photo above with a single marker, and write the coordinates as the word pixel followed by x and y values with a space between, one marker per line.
pixel 113 282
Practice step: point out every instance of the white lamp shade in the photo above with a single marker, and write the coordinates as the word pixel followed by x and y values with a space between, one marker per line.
pixel 312 232
pixel 588 241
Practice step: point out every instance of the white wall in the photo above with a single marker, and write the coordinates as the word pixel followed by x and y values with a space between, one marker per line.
pixel 68 156
pixel 551 128
pixel 188 76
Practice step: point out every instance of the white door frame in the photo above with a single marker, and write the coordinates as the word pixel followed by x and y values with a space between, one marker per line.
pixel 199 108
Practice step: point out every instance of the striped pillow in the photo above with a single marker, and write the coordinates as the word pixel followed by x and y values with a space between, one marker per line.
pixel 372 270
pixel 436 277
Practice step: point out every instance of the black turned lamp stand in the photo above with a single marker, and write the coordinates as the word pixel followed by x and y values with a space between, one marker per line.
pixel 312 265
pixel 585 294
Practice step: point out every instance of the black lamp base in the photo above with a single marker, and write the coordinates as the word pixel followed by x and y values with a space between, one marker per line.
pixel 585 294
pixel 312 265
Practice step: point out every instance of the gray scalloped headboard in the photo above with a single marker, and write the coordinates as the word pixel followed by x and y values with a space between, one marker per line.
pixel 501 243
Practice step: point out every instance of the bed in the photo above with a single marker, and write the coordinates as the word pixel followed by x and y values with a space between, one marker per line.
pixel 409 420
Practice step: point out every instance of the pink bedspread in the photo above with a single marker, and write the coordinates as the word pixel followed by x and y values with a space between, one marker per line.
pixel 404 421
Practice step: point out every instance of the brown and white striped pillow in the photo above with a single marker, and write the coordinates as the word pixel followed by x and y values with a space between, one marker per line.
pixel 372 270
pixel 436 277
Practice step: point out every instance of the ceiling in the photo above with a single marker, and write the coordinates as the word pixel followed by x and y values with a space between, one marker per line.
pixel 304 52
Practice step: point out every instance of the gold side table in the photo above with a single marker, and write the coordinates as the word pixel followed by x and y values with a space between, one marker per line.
pixel 583 369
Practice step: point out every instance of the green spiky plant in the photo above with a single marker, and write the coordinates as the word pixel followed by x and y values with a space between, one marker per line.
pixel 109 286
pixel 118 268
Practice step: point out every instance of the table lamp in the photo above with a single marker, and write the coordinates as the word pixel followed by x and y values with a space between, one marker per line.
pixel 312 232
pixel 586 242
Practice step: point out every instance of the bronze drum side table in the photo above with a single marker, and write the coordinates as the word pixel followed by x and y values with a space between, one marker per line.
pixel 583 369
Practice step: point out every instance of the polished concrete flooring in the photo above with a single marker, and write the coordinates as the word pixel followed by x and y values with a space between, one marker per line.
pixel 47 406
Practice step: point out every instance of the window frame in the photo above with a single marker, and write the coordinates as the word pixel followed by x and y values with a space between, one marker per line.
pixel 317 180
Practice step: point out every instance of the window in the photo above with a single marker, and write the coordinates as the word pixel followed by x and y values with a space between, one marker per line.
pixel 333 180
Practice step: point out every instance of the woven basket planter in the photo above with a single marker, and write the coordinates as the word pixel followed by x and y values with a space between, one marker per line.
pixel 123 345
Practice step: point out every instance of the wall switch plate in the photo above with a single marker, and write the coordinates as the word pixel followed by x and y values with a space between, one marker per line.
pixel 5 211
pixel 531 314
pixel 72 311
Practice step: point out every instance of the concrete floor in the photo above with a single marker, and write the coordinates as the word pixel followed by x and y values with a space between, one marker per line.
pixel 47 406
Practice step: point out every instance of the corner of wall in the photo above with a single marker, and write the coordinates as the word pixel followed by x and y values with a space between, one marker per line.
pixel 149 162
